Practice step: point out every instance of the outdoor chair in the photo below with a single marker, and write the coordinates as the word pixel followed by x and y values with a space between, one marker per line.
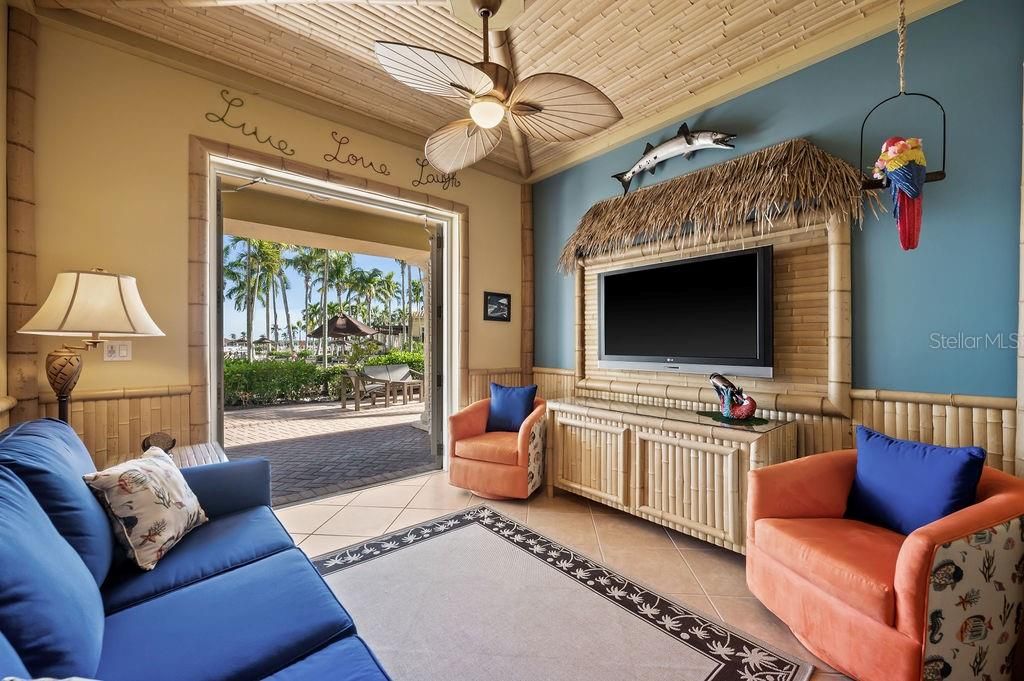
pixel 364 386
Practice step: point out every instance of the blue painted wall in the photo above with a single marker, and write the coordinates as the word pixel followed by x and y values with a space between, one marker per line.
pixel 941 318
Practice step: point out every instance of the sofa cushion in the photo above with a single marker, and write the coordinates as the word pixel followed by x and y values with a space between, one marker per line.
pixel 850 560
pixel 497 447
pixel 241 624
pixel 149 503
pixel 222 544
pixel 509 407
pixel 945 481
pixel 346 660
pixel 50 607
pixel 50 458
pixel 10 663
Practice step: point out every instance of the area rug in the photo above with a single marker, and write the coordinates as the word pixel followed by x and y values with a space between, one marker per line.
pixel 478 596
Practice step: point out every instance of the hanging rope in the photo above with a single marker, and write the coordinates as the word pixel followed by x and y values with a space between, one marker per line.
pixel 901 49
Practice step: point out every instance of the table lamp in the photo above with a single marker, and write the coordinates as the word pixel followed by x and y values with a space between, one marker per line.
pixel 95 305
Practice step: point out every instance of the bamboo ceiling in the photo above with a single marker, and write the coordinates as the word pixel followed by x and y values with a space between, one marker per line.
pixel 647 55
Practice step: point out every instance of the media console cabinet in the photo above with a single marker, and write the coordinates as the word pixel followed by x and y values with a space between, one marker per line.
pixel 669 466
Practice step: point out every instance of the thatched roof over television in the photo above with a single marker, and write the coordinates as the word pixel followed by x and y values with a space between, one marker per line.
pixel 708 204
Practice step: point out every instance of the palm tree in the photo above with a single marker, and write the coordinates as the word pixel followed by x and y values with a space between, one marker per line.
pixel 339 269
pixel 404 319
pixel 308 262
pixel 416 293
pixel 269 263
pixel 240 284
pixel 365 284
pixel 387 291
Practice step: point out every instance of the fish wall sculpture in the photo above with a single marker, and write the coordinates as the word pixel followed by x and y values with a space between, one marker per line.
pixel 685 144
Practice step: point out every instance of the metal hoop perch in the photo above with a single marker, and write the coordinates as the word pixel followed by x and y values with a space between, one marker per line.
pixel 901 53
pixel 933 176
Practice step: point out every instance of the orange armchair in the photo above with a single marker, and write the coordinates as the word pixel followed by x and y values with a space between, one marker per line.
pixel 496 465
pixel 945 602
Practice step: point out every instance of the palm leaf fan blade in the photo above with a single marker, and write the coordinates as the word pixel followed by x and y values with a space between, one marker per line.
pixel 460 144
pixel 432 72
pixel 555 107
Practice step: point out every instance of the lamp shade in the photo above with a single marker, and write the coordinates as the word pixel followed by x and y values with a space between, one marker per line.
pixel 97 303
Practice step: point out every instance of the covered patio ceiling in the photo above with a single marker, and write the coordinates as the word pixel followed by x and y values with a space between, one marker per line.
pixel 659 60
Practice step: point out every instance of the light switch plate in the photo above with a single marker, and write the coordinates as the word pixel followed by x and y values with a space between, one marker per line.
pixel 117 351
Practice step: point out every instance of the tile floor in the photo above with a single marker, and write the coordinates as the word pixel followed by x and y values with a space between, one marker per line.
pixel 705 577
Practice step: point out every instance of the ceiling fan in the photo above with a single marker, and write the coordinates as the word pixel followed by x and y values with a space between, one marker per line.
pixel 553 107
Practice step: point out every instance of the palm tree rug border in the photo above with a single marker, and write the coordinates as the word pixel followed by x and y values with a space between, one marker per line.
pixel 725 653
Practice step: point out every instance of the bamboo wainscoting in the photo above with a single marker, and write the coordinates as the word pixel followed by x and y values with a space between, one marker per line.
pixel 112 423
pixel 480 381
pixel 948 420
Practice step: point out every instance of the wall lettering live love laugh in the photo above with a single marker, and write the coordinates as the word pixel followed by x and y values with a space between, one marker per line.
pixel 234 104
pixel 353 159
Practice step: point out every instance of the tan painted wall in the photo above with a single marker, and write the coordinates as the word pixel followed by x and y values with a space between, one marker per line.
pixel 283 211
pixel 112 151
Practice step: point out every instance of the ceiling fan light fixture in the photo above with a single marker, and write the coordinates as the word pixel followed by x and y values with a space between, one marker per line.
pixel 487 112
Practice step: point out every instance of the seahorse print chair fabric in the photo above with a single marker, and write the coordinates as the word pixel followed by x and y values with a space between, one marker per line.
pixel 942 603
pixel 149 503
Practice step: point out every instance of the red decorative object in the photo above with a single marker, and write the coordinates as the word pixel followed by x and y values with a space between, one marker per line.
pixel 733 403
pixel 902 165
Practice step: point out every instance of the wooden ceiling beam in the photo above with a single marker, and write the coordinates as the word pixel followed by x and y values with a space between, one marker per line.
pixel 170 4
pixel 501 53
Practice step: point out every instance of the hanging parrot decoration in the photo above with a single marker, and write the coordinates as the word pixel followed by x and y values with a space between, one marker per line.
pixel 902 163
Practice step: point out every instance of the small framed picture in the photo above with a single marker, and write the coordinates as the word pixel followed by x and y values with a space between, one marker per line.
pixel 497 307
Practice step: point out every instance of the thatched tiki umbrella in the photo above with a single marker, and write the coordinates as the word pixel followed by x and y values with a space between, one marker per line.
pixel 342 326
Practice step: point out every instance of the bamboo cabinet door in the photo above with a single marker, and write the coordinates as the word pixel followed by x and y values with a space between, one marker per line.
pixel 689 482
pixel 592 459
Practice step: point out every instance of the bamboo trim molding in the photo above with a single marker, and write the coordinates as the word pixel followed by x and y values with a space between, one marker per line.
pixel 22 350
pixel 123 393
pixel 771 394
pixel 199 200
pixel 527 304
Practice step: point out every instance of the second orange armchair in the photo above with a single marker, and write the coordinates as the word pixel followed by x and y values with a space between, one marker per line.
pixel 496 465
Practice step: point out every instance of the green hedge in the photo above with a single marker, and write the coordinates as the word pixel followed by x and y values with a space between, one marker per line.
pixel 268 381
pixel 272 381
pixel 413 359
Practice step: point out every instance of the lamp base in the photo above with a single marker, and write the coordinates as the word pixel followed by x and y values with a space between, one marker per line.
pixel 63 367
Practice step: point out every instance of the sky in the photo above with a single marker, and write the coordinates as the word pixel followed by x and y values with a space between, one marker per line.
pixel 234 320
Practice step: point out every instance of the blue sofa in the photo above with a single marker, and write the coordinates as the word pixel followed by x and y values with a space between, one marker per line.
pixel 235 599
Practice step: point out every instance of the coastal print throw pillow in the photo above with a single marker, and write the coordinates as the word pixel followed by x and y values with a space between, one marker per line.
pixel 149 503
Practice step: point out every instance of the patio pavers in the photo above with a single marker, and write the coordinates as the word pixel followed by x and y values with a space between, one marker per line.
pixel 319 449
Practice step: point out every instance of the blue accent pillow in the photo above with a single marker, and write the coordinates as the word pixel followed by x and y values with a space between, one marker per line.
pixel 509 407
pixel 50 606
pixel 51 459
pixel 903 485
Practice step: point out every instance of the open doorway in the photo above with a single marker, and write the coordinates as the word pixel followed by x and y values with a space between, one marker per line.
pixel 329 360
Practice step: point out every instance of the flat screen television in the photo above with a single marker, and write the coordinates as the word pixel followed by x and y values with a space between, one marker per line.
pixel 699 315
